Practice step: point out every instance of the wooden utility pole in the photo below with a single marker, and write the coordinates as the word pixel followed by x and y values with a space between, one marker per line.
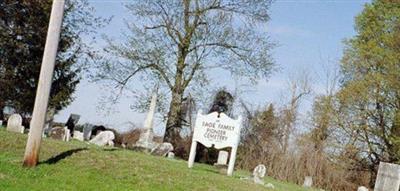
pixel 43 90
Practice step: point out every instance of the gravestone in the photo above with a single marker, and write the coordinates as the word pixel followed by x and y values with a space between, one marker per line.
pixel 87 131
pixel 1 123
pixel 259 173
pixel 104 138
pixel 270 186
pixel 388 177
pixel 78 135
pixel 146 136
pixel 222 158
pixel 67 134
pixel 48 122
pixel 57 133
pixel 362 188
pixel 171 155
pixel 218 130
pixel 14 124
pixel 162 149
pixel 307 182
pixel 71 123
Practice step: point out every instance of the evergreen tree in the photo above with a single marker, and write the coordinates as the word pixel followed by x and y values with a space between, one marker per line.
pixel 23 29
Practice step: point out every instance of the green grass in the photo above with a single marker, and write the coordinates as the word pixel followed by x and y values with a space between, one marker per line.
pixel 79 166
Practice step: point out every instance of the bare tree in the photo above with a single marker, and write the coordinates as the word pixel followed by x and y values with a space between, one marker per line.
pixel 299 87
pixel 179 42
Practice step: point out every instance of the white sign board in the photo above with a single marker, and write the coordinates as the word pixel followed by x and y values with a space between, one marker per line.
pixel 388 177
pixel 216 130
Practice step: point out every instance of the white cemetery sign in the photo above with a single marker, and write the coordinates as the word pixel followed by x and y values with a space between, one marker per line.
pixel 216 130
pixel 388 177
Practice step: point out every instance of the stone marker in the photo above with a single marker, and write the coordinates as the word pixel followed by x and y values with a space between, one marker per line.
pixel 71 122
pixel 307 181
pixel 218 130
pixel 14 124
pixel 104 138
pixel 78 135
pixel 87 131
pixel 270 186
pixel 388 177
pixel 1 123
pixel 362 188
pixel 259 173
pixel 67 134
pixel 171 155
pixel 222 158
pixel 48 122
pixel 162 149
pixel 57 133
pixel 146 136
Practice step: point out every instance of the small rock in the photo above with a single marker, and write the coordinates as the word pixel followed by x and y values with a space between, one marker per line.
pixel 270 186
pixel 171 155
pixel 362 188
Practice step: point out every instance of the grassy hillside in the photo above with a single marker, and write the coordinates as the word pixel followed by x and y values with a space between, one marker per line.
pixel 79 166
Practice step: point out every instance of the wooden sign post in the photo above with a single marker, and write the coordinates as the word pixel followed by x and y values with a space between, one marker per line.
pixel 218 130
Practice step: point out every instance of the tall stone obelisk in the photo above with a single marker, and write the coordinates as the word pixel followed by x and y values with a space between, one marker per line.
pixel 146 137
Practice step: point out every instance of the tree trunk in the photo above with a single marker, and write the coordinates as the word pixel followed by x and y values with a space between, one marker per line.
pixel 174 119
pixel 2 111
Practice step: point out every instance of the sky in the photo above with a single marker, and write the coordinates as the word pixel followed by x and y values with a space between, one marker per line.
pixel 309 35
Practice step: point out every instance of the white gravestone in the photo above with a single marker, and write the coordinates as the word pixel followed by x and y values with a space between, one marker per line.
pixel 67 134
pixel 171 155
pixel 216 130
pixel 104 138
pixel 78 135
pixel 259 173
pixel 222 157
pixel 14 124
pixel 362 188
pixel 307 181
pixel 270 186
pixel 87 132
pixel 388 177
pixel 146 136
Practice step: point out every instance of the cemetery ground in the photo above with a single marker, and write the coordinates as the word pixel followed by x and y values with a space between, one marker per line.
pixel 77 165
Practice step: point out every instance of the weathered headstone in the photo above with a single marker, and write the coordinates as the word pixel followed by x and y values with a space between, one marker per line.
pixel 222 158
pixel 388 177
pixel 307 181
pixel 270 186
pixel 78 135
pixel 14 124
pixel 362 188
pixel 146 136
pixel 218 130
pixel 57 133
pixel 171 155
pixel 259 173
pixel 162 149
pixel 48 121
pixel 104 138
pixel 87 132
pixel 1 123
pixel 71 123
pixel 67 134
